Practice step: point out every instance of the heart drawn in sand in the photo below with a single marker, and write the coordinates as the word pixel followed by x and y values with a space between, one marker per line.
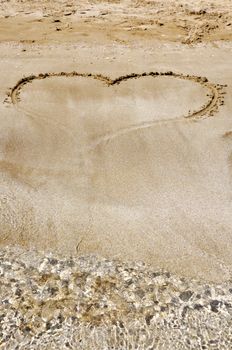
pixel 70 117
pixel 101 108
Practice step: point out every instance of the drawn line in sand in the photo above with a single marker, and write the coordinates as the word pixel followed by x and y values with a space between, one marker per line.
pixel 216 98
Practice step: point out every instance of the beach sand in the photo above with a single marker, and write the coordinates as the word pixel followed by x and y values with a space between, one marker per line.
pixel 116 135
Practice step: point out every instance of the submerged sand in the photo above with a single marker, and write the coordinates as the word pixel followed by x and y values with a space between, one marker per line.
pixel 51 301
pixel 137 168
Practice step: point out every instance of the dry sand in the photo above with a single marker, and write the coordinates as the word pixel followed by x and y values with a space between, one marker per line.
pixel 137 168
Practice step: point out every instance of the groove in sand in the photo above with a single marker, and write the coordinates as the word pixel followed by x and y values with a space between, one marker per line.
pixel 216 97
